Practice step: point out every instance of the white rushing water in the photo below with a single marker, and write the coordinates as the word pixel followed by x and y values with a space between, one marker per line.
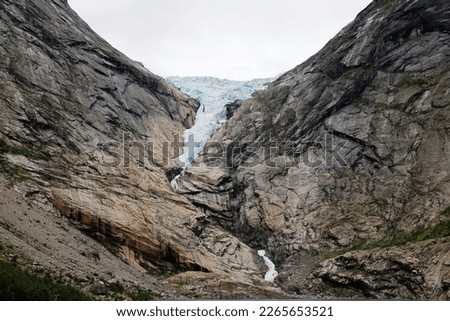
pixel 271 273
pixel 213 94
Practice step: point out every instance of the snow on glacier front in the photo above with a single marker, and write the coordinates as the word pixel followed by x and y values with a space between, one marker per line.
pixel 213 94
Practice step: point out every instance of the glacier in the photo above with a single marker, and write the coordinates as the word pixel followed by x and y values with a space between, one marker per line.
pixel 213 94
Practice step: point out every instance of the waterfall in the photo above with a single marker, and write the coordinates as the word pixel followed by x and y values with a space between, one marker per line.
pixel 174 183
pixel 271 273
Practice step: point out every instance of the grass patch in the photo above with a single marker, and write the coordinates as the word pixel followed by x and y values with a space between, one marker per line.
pixel 5 148
pixel 142 295
pixel 18 174
pixel 19 285
pixel 437 231
pixel 353 72
pixel 121 292
pixel 161 274
pixel 446 212
pixel 418 82
pixel 47 102
pixel 15 174
pixel 136 294
pixel 28 153
pixel 116 287
pixel 433 232
pixel 331 254
pixel 396 107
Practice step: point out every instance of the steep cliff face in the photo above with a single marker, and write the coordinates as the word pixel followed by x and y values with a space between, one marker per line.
pixel 90 132
pixel 340 169
pixel 68 102
pixel 349 150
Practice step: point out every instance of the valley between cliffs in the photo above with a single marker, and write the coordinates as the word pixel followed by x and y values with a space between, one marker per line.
pixel 339 169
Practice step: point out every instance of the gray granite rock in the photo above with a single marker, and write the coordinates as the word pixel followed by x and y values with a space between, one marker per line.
pixel 359 145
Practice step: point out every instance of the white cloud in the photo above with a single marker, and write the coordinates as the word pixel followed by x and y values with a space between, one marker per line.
pixel 238 39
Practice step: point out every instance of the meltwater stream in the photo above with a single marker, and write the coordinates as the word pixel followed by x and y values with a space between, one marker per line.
pixel 213 94
pixel 271 273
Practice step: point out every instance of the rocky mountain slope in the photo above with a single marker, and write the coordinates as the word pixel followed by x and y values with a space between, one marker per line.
pixel 90 134
pixel 348 151
pixel 339 170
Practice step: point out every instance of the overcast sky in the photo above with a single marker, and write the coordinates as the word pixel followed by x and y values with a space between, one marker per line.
pixel 234 39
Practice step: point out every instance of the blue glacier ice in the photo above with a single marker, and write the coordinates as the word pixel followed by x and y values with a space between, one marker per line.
pixel 213 94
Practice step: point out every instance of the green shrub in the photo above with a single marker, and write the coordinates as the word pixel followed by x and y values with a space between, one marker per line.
pixel 116 287
pixel 8 149
pixel 142 295
pixel 5 148
pixel 436 231
pixel 15 173
pixel 19 285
